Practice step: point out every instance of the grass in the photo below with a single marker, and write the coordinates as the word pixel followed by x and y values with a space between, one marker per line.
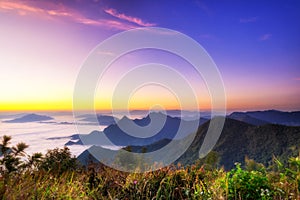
pixel 57 176
pixel 173 182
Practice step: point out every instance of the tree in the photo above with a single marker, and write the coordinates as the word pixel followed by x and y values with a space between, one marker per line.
pixel 11 156
pixel 59 161
pixel 34 162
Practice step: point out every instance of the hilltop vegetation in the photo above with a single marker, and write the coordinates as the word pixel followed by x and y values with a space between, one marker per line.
pixel 239 139
pixel 56 175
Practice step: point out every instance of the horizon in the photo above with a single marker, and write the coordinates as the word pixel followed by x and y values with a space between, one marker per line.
pixel 228 112
pixel 255 46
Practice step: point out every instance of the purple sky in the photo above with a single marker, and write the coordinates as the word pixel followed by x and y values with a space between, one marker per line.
pixel 255 44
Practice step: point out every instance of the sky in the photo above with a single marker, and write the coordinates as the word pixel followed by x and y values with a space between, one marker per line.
pixel 254 44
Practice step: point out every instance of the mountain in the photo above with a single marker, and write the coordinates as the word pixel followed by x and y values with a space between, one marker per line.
pixel 167 130
pixel 162 127
pixel 150 148
pixel 86 158
pixel 240 116
pixel 239 139
pixel 29 118
pixel 268 116
pixel 94 138
pixel 259 139
pixel 101 119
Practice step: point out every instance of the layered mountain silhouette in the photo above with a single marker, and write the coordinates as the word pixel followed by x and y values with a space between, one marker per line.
pixel 243 117
pixel 238 139
pixel 29 118
pixel 169 129
pixel 101 119
pixel 138 132
pixel 268 117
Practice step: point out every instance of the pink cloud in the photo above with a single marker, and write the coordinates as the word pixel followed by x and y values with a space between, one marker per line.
pixel 135 20
pixel 265 37
pixel 58 11
pixel 297 79
pixel 20 8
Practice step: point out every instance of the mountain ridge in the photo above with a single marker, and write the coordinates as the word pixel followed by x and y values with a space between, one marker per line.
pixel 29 118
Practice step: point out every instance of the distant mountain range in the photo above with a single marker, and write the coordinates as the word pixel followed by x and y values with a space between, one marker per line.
pixel 120 137
pixel 29 118
pixel 268 117
pixel 258 135
pixel 168 130
pixel 101 119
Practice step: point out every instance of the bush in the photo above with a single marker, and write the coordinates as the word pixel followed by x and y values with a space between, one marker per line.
pixel 242 184
pixel 58 161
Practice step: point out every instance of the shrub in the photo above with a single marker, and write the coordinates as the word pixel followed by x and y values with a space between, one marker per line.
pixel 242 184
pixel 58 161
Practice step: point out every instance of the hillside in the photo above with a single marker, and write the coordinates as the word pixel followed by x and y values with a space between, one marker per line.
pixel 239 139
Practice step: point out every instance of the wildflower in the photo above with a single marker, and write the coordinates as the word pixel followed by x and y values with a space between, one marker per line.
pixel 135 182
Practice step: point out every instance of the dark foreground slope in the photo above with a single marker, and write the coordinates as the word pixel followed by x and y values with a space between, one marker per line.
pixel 239 139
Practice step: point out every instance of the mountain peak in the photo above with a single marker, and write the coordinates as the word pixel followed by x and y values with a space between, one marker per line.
pixel 29 118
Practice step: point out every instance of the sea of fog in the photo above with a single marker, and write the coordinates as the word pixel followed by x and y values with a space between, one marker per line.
pixel 41 136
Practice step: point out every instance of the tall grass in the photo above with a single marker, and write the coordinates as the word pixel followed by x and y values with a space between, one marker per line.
pixel 57 176
pixel 173 182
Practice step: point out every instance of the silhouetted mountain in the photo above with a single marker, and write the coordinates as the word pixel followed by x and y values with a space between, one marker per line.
pixel 169 130
pixel 257 135
pixel 141 134
pixel 29 118
pixel 150 148
pixel 269 116
pixel 101 119
pixel 86 158
pixel 10 116
pixel 94 138
pixel 239 139
pixel 240 116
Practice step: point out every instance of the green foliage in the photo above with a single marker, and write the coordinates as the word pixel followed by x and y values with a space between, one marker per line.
pixel 59 161
pixel 57 176
pixel 239 139
pixel 287 178
pixel 210 161
pixel 11 156
pixel 251 165
pixel 243 184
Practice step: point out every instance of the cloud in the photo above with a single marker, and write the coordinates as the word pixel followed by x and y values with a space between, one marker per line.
pixel 131 19
pixel 58 11
pixel 248 20
pixel 265 37
pixel 297 79
pixel 20 8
